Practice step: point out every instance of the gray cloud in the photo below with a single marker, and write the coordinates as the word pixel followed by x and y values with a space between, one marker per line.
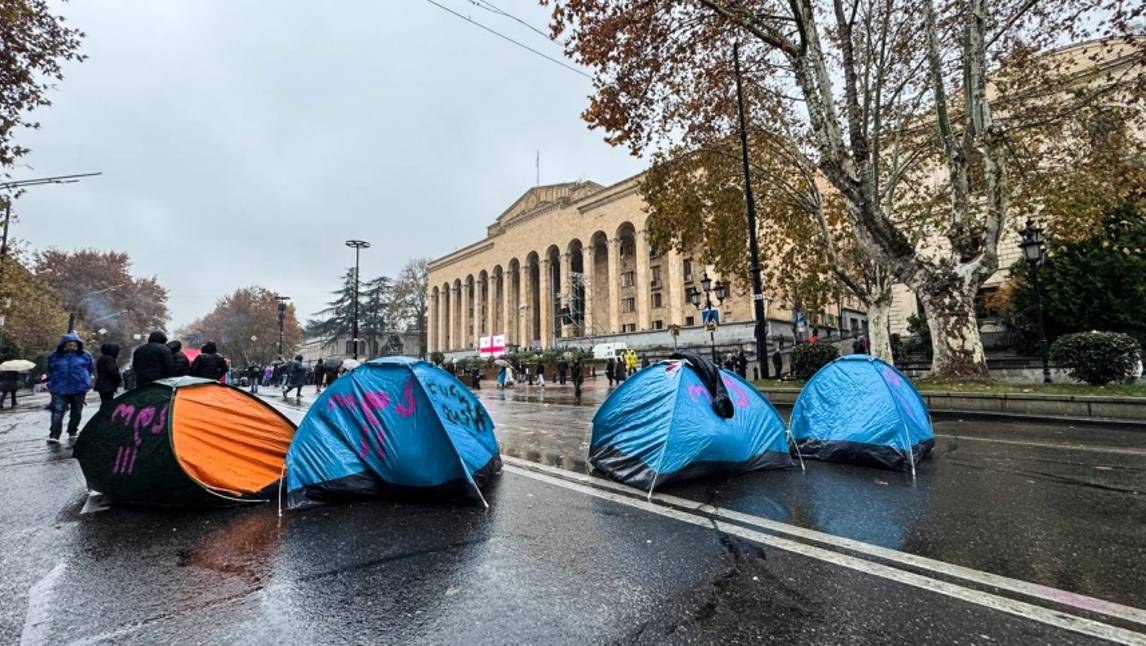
pixel 242 143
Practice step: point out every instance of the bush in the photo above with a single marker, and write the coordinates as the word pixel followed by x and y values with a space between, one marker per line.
pixel 1097 358
pixel 437 358
pixel 807 358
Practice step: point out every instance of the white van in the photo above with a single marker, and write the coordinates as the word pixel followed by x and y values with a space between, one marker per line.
pixel 604 351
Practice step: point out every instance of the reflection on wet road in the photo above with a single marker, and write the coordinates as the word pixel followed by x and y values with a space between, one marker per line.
pixel 564 557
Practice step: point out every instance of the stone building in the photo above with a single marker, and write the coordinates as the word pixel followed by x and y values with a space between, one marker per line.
pixel 569 265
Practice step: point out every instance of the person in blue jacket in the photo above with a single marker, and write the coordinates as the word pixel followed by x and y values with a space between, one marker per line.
pixel 70 370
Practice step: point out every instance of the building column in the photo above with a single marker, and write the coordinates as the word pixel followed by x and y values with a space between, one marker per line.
pixel 567 290
pixel 475 324
pixel 455 316
pixel 506 304
pixel 443 317
pixel 525 316
pixel 674 281
pixel 491 305
pixel 464 318
pixel 641 248
pixel 431 321
pixel 546 304
pixel 614 285
pixel 589 264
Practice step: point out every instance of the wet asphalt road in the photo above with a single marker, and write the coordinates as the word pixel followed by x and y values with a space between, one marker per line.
pixel 562 557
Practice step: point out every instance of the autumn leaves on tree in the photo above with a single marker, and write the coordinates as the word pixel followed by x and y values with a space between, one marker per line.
pixel 929 123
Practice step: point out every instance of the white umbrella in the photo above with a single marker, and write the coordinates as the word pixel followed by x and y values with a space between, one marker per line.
pixel 501 363
pixel 17 365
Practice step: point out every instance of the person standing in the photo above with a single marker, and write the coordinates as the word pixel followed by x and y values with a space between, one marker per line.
pixel 578 377
pixel 108 378
pixel 857 345
pixel 152 361
pixel 70 371
pixel 319 375
pixel 562 368
pixel 778 363
pixel 742 364
pixel 9 383
pixel 254 375
pixel 295 377
pixel 610 370
pixel 209 364
pixel 182 365
pixel 541 374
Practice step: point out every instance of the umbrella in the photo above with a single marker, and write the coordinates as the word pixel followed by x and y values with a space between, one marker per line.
pixel 501 363
pixel 17 365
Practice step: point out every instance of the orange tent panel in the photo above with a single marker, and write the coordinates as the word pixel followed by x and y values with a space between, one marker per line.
pixel 227 440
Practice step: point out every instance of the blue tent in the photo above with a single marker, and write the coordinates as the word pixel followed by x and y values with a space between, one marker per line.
pixel 392 424
pixel 860 409
pixel 659 427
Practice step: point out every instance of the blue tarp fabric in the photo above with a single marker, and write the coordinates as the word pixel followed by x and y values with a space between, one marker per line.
pixel 659 427
pixel 393 423
pixel 859 409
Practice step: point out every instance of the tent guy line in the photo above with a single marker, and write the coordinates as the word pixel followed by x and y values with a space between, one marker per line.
pixel 975 596
pixel 706 512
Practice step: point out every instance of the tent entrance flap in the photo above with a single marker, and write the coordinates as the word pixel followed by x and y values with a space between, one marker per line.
pixel 243 457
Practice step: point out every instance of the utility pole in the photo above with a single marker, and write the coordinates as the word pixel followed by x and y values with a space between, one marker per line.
pixel 761 329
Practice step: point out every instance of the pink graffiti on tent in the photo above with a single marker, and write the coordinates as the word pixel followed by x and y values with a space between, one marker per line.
pixel 150 418
pixel 741 398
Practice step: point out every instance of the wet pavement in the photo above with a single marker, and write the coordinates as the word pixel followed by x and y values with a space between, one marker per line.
pixel 1012 533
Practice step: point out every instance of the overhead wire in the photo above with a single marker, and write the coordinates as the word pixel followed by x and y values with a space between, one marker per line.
pixel 492 8
pixel 504 37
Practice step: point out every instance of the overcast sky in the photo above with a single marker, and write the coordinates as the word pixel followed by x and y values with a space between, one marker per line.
pixel 241 143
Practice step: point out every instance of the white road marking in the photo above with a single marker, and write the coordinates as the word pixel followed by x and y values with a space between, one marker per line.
pixel 1050 445
pixel 1034 590
pixel 40 606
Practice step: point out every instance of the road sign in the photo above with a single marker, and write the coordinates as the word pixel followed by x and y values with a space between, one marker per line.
pixel 711 319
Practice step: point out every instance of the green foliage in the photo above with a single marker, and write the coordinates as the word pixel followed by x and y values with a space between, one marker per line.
pixel 807 358
pixel 1095 283
pixel 1098 358
pixel 920 336
pixel 437 358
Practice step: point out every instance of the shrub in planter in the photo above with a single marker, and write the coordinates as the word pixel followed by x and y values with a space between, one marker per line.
pixel 1097 358
pixel 807 358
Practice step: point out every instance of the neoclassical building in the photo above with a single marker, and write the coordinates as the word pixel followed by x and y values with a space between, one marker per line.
pixel 569 264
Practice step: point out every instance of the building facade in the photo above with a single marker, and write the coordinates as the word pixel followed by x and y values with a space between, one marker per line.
pixel 570 265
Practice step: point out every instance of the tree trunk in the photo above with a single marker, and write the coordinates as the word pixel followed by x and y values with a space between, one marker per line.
pixel 879 333
pixel 957 346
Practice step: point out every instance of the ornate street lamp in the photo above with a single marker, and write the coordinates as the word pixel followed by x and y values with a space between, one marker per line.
pixel 719 291
pixel 1034 250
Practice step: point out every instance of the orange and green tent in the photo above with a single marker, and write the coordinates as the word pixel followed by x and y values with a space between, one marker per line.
pixel 185 441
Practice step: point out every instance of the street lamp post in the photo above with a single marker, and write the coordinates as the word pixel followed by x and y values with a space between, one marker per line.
pixel 282 317
pixel 761 329
pixel 1034 250
pixel 710 290
pixel 358 246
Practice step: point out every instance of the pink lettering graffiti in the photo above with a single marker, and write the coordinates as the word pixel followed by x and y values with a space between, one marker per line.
pixel 409 405
pixel 741 399
pixel 124 411
pixel 125 460
pixel 161 422
pixel 696 393
pixel 144 419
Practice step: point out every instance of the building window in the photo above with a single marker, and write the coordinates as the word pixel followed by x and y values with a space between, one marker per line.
pixel 689 321
pixel 627 279
pixel 688 270
pixel 658 325
pixel 628 304
pixel 657 302
pixel 626 249
pixel 655 276
pixel 629 327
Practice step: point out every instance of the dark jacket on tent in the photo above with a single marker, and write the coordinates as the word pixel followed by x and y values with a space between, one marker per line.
pixel 182 365
pixel 209 365
pixel 709 374
pixel 153 361
pixel 108 378
pixel 70 373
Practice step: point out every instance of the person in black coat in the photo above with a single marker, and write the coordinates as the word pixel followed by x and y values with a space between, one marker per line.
pixel 9 384
pixel 577 374
pixel 209 365
pixel 152 361
pixel 178 359
pixel 108 379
